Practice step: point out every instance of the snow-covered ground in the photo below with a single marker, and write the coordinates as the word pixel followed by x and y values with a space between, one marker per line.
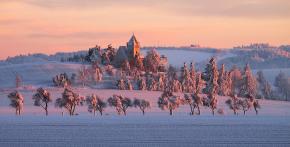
pixel 143 131
pixel 157 128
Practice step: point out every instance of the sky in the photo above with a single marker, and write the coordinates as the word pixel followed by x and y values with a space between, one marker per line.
pixel 49 26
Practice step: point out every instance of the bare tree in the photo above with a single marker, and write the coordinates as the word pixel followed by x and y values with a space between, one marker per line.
pixel 120 103
pixel 42 98
pixel 95 103
pixel 169 101
pixel 16 101
pixel 141 104
pixel 69 101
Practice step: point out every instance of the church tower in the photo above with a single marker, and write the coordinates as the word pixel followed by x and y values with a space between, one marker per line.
pixel 133 47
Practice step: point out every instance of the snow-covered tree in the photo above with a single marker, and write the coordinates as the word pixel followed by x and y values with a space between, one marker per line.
pixel 282 83
pixel 199 84
pixel 234 103
pixel 121 84
pixel 161 82
pixel 211 102
pixel 93 54
pixel 236 78
pixel 18 81
pixel 152 85
pixel 120 103
pixel 141 104
pixel 126 67
pixel 16 101
pixel 210 76
pixel 168 101
pixel 188 84
pixel 249 84
pixel 250 102
pixel 83 75
pixel 264 86
pixel 129 85
pixel 69 100
pixel 61 80
pixel 223 82
pixel 42 98
pixel 96 73
pixel 152 61
pixel 194 101
pixel 142 84
pixel 95 103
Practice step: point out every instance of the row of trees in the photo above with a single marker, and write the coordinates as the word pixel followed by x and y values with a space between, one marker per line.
pixel 70 100
pixel 167 101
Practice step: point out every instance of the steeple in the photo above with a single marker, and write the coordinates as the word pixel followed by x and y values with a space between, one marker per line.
pixel 133 47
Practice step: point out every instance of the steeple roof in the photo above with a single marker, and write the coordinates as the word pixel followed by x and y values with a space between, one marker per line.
pixel 133 40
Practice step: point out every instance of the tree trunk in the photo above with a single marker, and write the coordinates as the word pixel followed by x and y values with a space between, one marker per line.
pixel 170 111
pixel 244 112
pixel 46 111
pixel 191 110
pixel 124 112
pixel 143 112
pixel 101 112
pixel 198 109
pixel 94 112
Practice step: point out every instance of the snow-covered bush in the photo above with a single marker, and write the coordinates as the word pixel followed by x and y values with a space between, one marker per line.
pixel 95 103
pixel 16 101
pixel 42 98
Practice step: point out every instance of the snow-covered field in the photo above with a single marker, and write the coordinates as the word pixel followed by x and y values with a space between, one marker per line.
pixel 143 131
pixel 32 129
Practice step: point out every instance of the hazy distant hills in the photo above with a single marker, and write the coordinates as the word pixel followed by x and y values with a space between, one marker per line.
pixel 258 58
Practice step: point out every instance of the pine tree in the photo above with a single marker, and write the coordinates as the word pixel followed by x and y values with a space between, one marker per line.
pixel 249 85
pixel 210 76
pixel 142 84
pixel 282 83
pixel 223 82
pixel 186 80
pixel 264 86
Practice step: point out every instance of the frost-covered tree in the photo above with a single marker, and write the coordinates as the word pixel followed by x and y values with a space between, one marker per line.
pixel 93 54
pixel 236 78
pixel 199 84
pixel 61 80
pixel 152 85
pixel 18 81
pixel 142 84
pixel 211 102
pixel 168 101
pixel 129 85
pixel 188 84
pixel 141 104
pixel 282 83
pixel 16 101
pixel 96 73
pixel 250 102
pixel 161 82
pixel 223 82
pixel 83 75
pixel 120 103
pixel 249 84
pixel 264 86
pixel 152 61
pixel 121 84
pixel 95 103
pixel 69 100
pixel 42 98
pixel 234 103
pixel 125 66
pixel 210 76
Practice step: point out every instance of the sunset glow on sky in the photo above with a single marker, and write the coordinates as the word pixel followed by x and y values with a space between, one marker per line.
pixel 49 26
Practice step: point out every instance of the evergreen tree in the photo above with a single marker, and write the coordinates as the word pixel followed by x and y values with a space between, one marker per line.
pixel 249 85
